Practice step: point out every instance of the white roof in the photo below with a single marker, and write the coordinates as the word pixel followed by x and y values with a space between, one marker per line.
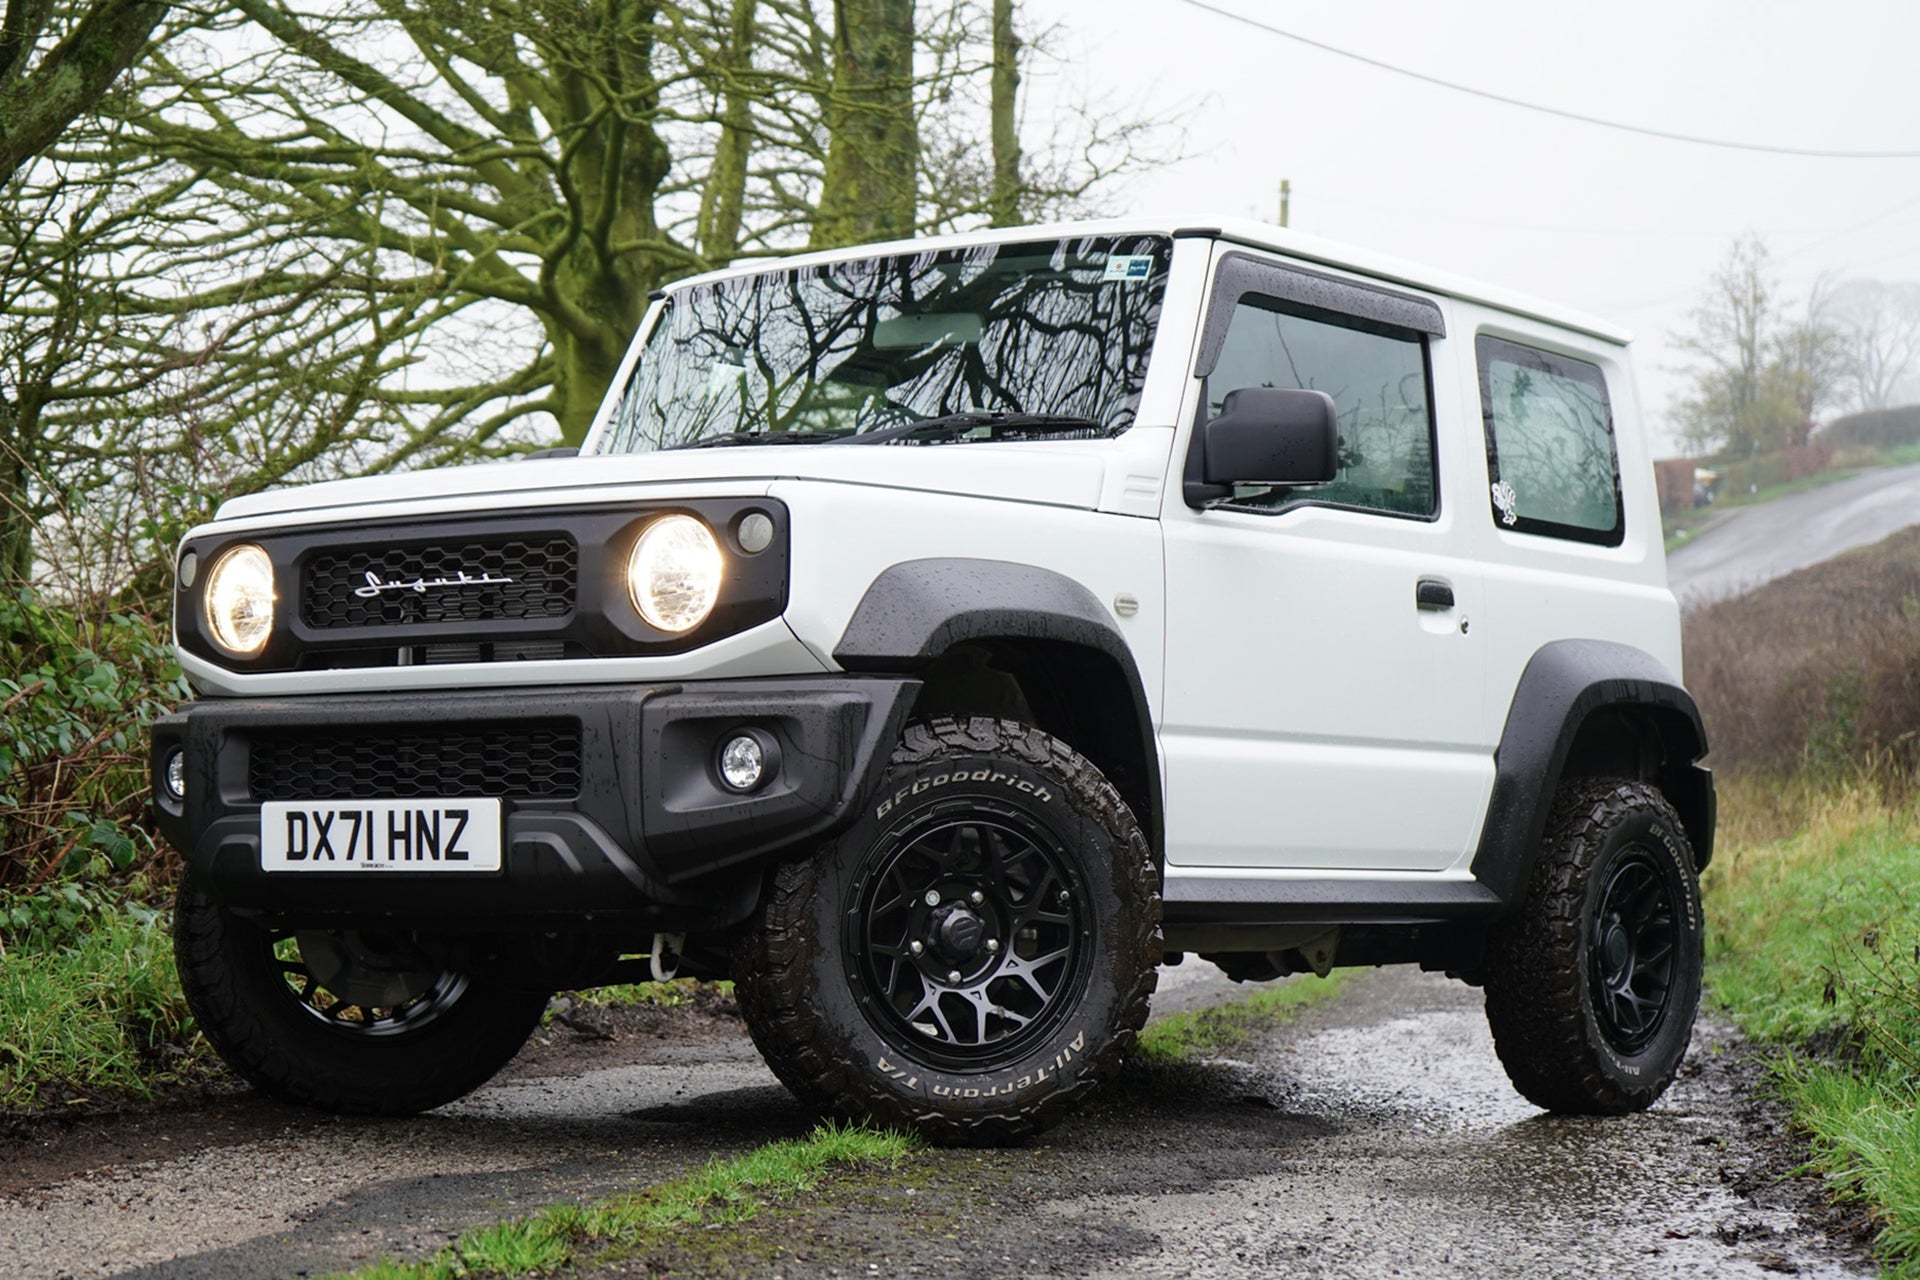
pixel 1283 240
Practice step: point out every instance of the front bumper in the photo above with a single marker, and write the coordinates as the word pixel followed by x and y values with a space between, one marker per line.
pixel 631 828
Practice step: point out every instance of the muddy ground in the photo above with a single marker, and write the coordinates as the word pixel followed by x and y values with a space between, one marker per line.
pixel 1373 1136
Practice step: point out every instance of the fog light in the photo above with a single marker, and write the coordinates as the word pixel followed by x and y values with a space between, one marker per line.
pixel 743 762
pixel 174 776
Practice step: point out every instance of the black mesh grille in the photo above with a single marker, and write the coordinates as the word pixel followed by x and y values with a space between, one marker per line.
pixel 538 572
pixel 526 761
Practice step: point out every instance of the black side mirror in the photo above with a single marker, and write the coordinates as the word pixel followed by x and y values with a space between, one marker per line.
pixel 1272 435
pixel 558 451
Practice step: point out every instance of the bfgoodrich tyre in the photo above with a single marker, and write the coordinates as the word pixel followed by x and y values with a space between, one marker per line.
pixel 1593 985
pixel 343 1020
pixel 974 955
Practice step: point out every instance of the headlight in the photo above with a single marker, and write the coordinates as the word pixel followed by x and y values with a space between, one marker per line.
pixel 674 573
pixel 239 600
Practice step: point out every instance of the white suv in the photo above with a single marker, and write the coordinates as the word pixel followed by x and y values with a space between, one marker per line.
pixel 935 636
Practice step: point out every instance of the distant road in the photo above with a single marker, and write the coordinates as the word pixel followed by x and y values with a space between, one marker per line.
pixel 1757 544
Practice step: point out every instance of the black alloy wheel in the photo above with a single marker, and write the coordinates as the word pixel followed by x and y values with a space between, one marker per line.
pixel 1631 951
pixel 364 984
pixel 351 1020
pixel 972 939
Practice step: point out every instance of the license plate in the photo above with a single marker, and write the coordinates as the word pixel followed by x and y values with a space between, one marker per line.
pixel 380 835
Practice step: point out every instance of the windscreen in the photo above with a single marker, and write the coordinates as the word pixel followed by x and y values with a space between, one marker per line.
pixel 992 342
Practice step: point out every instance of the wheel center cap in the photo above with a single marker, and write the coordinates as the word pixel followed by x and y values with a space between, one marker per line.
pixel 1614 949
pixel 957 933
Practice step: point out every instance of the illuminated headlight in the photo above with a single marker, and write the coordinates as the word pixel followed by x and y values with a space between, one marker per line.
pixel 674 573
pixel 239 600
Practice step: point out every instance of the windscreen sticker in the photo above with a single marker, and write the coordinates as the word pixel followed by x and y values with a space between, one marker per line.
pixel 723 378
pixel 1128 266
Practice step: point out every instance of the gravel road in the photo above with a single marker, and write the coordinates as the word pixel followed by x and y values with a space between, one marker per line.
pixel 1754 545
pixel 1374 1136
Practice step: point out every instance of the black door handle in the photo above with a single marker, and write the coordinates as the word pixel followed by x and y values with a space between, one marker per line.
pixel 1433 594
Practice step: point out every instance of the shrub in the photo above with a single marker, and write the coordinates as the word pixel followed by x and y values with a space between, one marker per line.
pixel 1880 429
pixel 1820 669
pixel 75 701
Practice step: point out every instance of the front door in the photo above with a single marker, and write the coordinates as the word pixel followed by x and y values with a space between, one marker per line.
pixel 1325 685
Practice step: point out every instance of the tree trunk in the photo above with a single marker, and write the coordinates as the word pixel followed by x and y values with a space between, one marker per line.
pixel 16 520
pixel 37 106
pixel 723 203
pixel 1006 117
pixel 873 150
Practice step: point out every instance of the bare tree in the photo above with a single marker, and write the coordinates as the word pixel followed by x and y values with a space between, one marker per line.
pixel 1880 327
pixel 339 239
pixel 1760 375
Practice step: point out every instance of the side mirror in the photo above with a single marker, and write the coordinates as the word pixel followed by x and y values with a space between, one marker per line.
pixel 1272 435
pixel 558 451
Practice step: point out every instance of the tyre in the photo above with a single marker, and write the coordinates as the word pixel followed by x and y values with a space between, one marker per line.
pixel 974 955
pixel 1592 987
pixel 343 1020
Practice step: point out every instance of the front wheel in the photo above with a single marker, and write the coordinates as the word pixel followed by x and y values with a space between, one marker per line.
pixel 974 955
pixel 1592 986
pixel 346 1020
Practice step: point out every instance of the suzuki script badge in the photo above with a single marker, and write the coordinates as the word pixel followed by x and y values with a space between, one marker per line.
pixel 420 586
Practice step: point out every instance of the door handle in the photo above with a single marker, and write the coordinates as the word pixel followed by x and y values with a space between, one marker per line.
pixel 1432 593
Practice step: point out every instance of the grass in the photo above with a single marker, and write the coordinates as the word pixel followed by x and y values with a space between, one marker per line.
pixel 1814 946
pixel 725 1192
pixel 100 1011
pixel 658 995
pixel 1212 1033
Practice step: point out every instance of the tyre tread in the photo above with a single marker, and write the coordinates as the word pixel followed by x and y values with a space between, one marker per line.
pixel 1535 986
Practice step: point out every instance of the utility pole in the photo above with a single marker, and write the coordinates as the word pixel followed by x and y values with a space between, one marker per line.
pixel 1286 198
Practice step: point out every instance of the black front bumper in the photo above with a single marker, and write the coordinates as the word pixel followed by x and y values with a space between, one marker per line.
pixel 635 830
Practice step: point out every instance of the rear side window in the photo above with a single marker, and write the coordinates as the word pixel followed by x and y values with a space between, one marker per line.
pixel 1550 445
pixel 1377 376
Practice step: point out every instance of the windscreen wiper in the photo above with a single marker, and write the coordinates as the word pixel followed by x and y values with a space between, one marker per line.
pixel 760 437
pixel 962 426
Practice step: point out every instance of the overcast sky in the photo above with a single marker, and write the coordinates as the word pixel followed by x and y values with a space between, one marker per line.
pixel 1625 226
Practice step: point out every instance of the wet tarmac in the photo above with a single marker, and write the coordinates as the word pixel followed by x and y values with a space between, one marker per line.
pixel 1374 1136
pixel 1750 546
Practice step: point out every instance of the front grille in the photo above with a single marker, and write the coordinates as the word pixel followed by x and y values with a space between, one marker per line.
pixel 537 760
pixel 530 578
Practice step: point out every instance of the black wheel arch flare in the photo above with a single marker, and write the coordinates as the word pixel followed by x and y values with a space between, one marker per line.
pixel 918 610
pixel 1568 692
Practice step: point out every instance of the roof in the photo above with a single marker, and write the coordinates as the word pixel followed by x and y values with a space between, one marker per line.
pixel 1245 231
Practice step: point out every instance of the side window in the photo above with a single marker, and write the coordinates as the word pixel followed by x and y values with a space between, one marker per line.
pixel 1550 447
pixel 1377 376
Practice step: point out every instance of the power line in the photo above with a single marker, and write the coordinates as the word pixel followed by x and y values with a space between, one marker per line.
pixel 1815 152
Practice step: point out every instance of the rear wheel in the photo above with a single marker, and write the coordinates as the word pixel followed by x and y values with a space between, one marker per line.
pixel 1592 987
pixel 974 955
pixel 344 1019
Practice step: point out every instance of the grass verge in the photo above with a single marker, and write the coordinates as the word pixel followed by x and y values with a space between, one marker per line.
pixel 1815 947
pixel 99 1012
pixel 726 1191
pixel 1210 1033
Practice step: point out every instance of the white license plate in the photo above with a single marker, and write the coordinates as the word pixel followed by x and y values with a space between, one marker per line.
pixel 380 835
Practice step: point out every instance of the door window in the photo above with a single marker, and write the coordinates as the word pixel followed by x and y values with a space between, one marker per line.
pixel 1377 376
